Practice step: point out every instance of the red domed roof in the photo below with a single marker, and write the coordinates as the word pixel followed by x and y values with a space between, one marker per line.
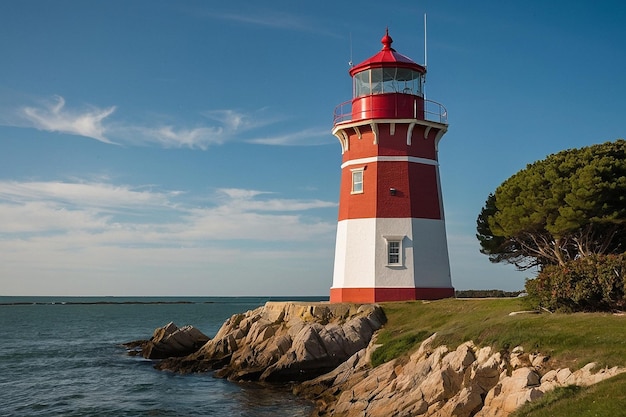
pixel 387 58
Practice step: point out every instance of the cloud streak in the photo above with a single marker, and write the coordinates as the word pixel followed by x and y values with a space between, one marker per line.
pixel 246 201
pixel 305 137
pixel 102 196
pixel 226 125
pixel 273 20
pixel 173 137
pixel 55 117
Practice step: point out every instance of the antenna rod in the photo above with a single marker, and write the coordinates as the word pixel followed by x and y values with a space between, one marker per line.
pixel 425 45
pixel 350 62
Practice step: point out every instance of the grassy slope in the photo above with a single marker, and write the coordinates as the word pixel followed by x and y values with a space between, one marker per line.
pixel 572 340
pixel 607 398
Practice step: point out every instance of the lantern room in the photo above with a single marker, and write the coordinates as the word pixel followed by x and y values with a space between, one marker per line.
pixel 388 80
pixel 388 85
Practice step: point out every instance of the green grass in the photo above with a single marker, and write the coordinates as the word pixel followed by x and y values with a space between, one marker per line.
pixel 571 340
pixel 396 346
pixel 607 398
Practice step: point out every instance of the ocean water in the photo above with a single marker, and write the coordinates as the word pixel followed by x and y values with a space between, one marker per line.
pixel 61 356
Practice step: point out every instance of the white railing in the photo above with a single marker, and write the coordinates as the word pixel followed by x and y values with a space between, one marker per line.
pixel 435 112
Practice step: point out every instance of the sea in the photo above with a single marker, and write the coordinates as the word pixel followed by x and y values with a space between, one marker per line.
pixel 63 356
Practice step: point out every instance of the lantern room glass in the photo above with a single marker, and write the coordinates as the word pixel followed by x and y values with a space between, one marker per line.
pixel 388 80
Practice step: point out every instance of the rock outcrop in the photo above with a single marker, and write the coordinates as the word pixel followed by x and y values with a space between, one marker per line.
pixel 284 341
pixel 433 381
pixel 326 348
pixel 169 341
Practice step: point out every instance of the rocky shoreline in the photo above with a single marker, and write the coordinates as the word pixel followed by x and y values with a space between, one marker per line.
pixel 278 342
pixel 324 350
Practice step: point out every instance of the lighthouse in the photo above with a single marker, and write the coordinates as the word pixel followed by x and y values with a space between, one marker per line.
pixel 391 237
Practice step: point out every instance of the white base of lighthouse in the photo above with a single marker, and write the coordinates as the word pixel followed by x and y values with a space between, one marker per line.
pixel 363 271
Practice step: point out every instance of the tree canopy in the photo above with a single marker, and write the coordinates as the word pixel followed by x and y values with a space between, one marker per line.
pixel 567 206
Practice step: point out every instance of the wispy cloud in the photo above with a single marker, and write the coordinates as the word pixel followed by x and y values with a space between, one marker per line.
pixel 223 125
pixel 175 137
pixel 55 117
pixel 233 120
pixel 41 218
pixel 102 196
pixel 245 201
pixel 227 125
pixel 273 20
pixel 241 194
pixel 306 137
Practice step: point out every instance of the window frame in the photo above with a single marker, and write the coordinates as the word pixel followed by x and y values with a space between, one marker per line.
pixel 390 243
pixel 354 172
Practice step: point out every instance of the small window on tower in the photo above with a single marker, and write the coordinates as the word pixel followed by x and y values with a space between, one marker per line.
pixel 394 250
pixel 357 181
pixel 394 253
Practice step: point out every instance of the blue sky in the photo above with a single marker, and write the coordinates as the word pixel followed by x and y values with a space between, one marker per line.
pixel 184 147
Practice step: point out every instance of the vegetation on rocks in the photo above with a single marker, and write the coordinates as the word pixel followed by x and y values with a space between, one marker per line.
pixel 572 340
pixel 569 340
pixel 606 398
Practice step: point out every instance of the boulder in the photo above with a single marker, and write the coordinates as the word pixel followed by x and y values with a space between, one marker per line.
pixel 511 392
pixel 169 341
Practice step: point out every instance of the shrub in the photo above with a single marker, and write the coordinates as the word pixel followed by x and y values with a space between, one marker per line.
pixel 593 283
pixel 485 293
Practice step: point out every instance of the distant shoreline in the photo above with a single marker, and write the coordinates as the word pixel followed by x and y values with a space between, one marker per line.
pixel 143 300
pixel 29 303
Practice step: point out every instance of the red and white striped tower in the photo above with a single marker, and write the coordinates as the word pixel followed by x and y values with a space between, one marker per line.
pixel 391 236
